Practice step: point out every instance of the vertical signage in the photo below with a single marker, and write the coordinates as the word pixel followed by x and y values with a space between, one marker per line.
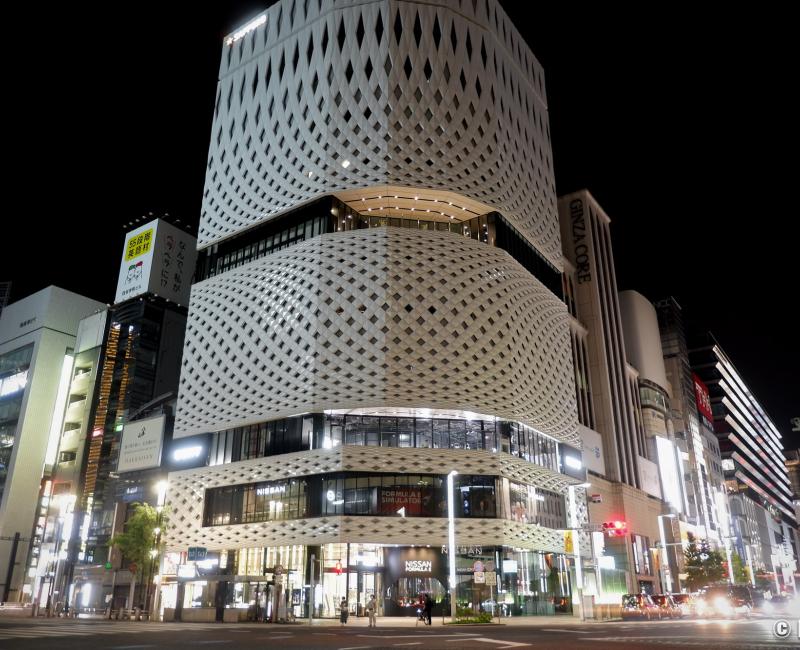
pixel 157 258
pixel 703 401
pixel 137 260
pixel 580 245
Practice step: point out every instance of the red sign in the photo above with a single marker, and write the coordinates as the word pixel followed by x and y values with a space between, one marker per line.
pixel 702 399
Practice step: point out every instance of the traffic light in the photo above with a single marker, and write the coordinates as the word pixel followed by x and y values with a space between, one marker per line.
pixel 338 568
pixel 615 528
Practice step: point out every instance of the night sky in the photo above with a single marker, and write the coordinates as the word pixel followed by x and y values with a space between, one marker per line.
pixel 681 124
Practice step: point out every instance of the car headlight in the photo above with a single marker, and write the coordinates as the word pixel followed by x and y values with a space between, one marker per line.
pixel 722 605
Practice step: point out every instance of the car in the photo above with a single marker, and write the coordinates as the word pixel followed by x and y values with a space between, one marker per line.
pixel 687 603
pixel 669 608
pixel 725 601
pixel 640 606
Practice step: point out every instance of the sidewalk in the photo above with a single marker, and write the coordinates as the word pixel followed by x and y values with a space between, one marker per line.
pixel 410 621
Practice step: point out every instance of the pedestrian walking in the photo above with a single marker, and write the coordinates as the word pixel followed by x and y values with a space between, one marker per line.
pixel 372 607
pixel 428 608
pixel 343 612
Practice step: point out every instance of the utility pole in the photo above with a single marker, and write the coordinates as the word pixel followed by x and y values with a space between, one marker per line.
pixel 12 562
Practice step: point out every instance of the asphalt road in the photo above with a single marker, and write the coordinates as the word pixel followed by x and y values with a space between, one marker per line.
pixel 51 634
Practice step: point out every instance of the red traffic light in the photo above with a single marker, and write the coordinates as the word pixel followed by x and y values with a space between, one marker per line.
pixel 615 528
pixel 339 568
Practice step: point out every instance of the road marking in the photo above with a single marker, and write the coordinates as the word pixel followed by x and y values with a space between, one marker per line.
pixel 460 635
pixel 130 647
pixel 686 642
pixel 214 641
pixel 356 647
pixel 397 645
pixel 504 644
pixel 544 629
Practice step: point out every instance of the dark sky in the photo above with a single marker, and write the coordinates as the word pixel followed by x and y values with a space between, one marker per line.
pixel 682 125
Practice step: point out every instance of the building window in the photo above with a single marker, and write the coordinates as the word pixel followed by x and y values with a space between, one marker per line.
pixel 333 430
pixel 352 493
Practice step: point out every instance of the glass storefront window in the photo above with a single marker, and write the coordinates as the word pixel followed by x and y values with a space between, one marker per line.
pixel 533 583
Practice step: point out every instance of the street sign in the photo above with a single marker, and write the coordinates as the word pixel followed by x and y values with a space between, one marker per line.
pixel 489 566
pixel 197 553
pixel 108 566
pixel 477 566
pixel 491 578
pixel 592 528
pixel 479 577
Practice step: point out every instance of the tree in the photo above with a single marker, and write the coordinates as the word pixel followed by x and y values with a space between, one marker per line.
pixel 703 565
pixel 138 539
pixel 741 574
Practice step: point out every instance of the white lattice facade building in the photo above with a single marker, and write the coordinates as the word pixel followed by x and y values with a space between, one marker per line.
pixel 377 306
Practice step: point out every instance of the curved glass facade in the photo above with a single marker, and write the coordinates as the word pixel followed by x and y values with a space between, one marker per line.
pixel 333 430
pixel 380 494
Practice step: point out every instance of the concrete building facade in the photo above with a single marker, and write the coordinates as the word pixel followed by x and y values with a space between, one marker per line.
pixel 37 339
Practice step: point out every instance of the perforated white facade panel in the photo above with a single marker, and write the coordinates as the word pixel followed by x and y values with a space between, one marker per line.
pixel 187 491
pixel 377 317
pixel 338 95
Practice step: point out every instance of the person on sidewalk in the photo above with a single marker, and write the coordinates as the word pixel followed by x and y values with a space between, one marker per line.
pixel 343 612
pixel 428 608
pixel 372 606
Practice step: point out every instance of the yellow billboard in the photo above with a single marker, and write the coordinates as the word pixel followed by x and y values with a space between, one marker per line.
pixel 139 245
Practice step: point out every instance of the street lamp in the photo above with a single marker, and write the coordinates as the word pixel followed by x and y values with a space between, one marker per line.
pixel 64 531
pixel 451 539
pixel 161 488
pixel 573 503
pixel 664 567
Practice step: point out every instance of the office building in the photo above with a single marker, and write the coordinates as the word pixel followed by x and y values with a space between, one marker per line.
pixel 37 340
pixel 752 456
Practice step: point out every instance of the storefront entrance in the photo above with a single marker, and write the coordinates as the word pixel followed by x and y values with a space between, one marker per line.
pixel 410 573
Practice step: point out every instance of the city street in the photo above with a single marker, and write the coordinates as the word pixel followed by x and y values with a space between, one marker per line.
pixel 114 635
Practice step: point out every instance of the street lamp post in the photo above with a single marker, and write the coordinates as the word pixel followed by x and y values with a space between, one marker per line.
pixel 64 530
pixel 161 487
pixel 664 561
pixel 451 539
pixel 747 552
pixel 576 547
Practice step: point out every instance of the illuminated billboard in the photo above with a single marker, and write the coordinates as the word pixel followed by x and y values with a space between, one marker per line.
pixel 141 444
pixel 157 258
pixel 703 401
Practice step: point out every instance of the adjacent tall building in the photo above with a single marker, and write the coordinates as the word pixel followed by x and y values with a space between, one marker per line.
pixel 625 486
pixel 754 464
pixel 37 340
pixel 585 228
pixel 378 306
pixel 113 431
